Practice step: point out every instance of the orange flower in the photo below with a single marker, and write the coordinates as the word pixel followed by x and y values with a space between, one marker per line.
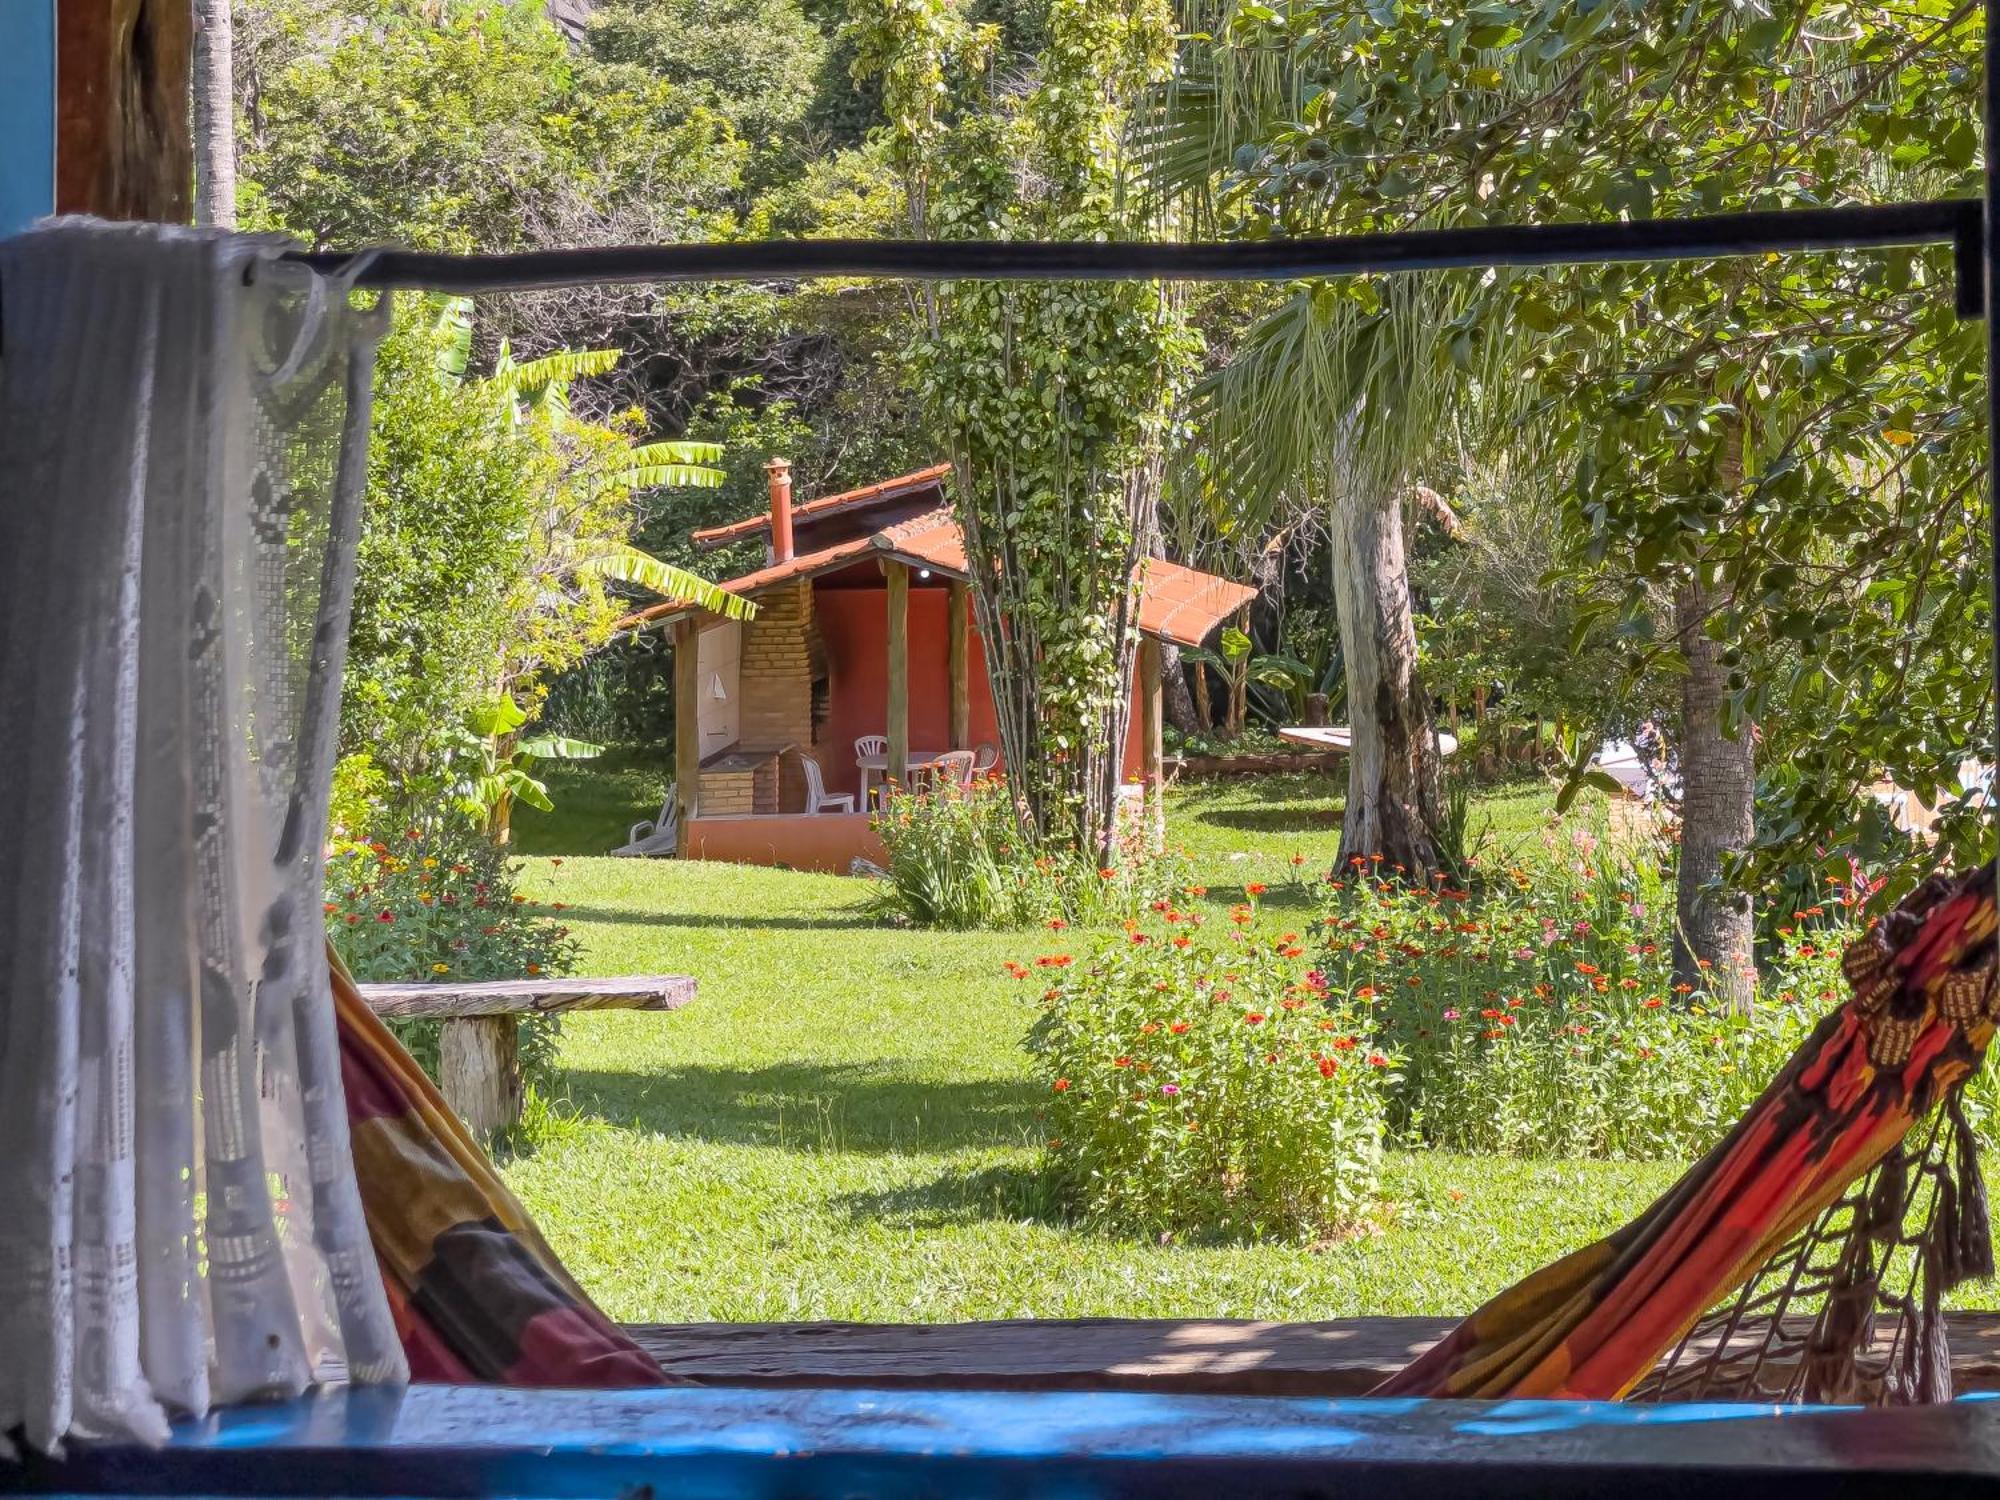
pixel 1062 1085
pixel 1121 1062
pixel 1177 1027
pixel 1328 1067
pixel 1255 888
pixel 1253 1018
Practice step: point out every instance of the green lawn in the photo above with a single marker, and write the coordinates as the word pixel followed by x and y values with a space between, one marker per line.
pixel 843 1125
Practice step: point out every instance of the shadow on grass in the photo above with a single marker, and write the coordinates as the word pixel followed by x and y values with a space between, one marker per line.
pixel 748 921
pixel 1013 1193
pixel 811 1107
pixel 1276 817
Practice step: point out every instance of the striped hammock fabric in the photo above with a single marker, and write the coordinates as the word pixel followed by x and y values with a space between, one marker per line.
pixel 1597 1322
pixel 477 1294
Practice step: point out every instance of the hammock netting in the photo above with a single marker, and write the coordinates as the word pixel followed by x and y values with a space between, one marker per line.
pixel 1806 1258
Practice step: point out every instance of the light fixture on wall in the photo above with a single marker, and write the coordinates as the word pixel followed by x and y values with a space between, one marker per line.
pixel 923 572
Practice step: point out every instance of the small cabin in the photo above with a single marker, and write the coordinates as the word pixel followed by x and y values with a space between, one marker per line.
pixel 864 630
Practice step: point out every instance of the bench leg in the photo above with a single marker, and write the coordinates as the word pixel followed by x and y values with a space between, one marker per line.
pixel 479 1072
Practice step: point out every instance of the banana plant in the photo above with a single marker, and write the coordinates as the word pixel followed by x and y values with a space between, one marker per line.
pixel 1240 665
pixel 539 388
pixel 505 775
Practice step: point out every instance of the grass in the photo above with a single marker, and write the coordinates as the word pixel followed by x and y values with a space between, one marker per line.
pixel 843 1124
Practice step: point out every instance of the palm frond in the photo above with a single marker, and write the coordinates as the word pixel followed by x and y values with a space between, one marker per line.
pixel 669 465
pixel 630 565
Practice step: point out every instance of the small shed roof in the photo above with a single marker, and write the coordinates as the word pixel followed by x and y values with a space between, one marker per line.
pixel 1176 603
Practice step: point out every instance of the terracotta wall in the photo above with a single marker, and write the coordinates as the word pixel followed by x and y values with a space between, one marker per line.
pixel 854 622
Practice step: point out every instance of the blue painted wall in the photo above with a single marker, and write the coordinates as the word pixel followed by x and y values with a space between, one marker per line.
pixel 27 112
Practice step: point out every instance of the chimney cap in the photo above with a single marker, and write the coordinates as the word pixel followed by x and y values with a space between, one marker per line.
pixel 777 465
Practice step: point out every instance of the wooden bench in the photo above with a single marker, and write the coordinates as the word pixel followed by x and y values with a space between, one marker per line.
pixel 479 1059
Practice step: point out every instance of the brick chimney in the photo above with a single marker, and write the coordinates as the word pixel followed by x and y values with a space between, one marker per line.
pixel 779 472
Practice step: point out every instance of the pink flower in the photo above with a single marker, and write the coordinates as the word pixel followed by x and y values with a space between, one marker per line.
pixel 1451 1015
pixel 1170 1089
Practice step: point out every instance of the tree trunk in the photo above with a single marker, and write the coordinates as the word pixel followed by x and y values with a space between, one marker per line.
pixel 1180 704
pixel 1239 679
pixel 1713 938
pixel 214 116
pixel 1392 768
pixel 1204 711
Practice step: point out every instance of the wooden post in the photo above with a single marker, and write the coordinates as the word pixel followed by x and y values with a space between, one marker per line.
pixel 898 575
pixel 956 602
pixel 479 1071
pixel 123 103
pixel 1152 722
pixel 687 730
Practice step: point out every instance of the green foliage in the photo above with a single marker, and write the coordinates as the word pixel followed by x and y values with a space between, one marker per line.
pixel 957 859
pixel 495 531
pixel 1794 444
pixel 1058 400
pixel 1201 1088
pixel 1541 1018
pixel 460 127
pixel 438 902
pixel 757 64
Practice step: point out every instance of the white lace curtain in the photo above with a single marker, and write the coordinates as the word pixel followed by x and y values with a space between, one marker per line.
pixel 183 432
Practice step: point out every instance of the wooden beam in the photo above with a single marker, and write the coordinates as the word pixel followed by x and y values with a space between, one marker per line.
pixel 687 730
pixel 1152 726
pixel 957 601
pixel 520 997
pixel 1206 1356
pixel 898 576
pixel 124 98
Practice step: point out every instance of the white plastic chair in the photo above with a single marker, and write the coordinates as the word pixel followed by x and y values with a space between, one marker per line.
pixel 985 758
pixel 818 799
pixel 953 768
pixel 652 838
pixel 864 745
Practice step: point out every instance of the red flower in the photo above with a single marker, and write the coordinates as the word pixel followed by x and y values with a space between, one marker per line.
pixel 1177 1027
pixel 1377 1060
pixel 1019 971
pixel 385 915
pixel 1328 1067
pixel 1121 1062
pixel 1253 1018
pixel 1255 888
pixel 1653 1004
pixel 1062 1085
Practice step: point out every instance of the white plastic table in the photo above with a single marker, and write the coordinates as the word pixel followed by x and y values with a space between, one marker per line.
pixel 918 760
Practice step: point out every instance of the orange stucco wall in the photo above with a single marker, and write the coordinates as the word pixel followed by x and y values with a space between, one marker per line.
pixel 829 841
pixel 854 623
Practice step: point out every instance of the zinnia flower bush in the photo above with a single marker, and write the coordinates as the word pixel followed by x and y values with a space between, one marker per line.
pixel 437 903
pixel 1203 1086
pixel 957 859
pixel 1541 1018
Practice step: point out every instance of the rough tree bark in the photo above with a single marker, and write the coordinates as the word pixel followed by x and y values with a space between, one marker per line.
pixel 1392 771
pixel 1713 934
pixel 214 115
pixel 122 108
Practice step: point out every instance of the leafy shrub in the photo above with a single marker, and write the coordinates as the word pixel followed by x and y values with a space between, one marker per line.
pixel 438 902
pixel 957 859
pixel 1541 1018
pixel 1208 1088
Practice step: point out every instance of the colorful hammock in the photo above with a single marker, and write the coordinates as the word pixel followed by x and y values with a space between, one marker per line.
pixel 477 1294
pixel 1803 1210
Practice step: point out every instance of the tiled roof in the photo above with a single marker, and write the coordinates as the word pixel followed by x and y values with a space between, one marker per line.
pixel 879 493
pixel 1177 604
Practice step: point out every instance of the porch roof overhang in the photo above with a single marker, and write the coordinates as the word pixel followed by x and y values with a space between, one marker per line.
pixel 827 506
pixel 1176 603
